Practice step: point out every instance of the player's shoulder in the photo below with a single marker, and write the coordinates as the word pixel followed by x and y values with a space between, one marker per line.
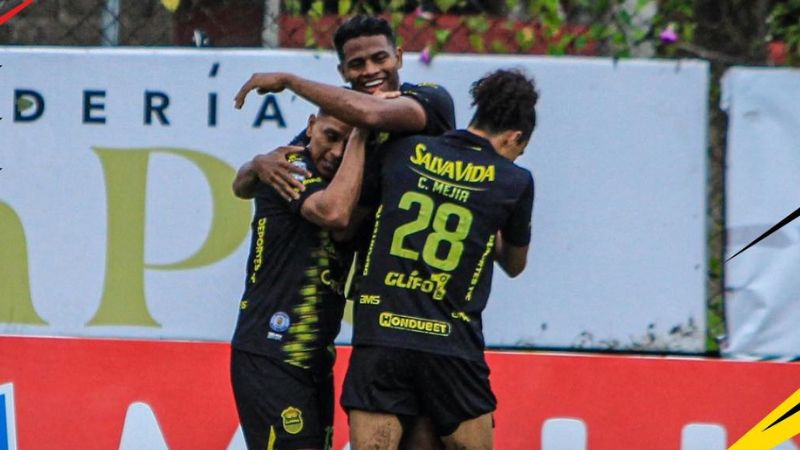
pixel 424 88
pixel 412 140
pixel 513 172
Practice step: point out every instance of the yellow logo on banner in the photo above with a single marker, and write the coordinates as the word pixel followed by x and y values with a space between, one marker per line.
pixel 782 424
pixel 292 420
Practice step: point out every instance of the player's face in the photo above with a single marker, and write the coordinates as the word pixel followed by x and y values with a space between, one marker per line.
pixel 371 64
pixel 327 136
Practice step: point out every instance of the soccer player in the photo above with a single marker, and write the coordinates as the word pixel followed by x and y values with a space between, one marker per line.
pixel 450 207
pixel 369 61
pixel 282 349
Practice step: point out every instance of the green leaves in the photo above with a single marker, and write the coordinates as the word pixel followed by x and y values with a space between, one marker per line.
pixel 344 7
pixel 445 5
pixel 618 28
pixel 441 36
pixel 476 42
pixel 317 9
pixel 477 24
pixel 525 37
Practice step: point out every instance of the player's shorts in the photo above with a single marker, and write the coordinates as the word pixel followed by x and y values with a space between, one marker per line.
pixel 280 406
pixel 403 382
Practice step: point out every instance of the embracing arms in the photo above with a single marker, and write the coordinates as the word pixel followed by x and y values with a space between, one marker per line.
pixel 332 207
pixel 356 108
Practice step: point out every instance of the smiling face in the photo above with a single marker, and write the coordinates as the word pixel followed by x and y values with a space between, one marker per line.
pixel 371 64
pixel 327 138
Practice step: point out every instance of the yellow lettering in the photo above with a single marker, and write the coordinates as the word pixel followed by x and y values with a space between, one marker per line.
pixel 367 299
pixel 419 154
pixel 417 324
pixel 455 170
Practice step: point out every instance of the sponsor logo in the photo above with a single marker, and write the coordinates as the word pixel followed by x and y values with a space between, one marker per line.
pixel 415 324
pixel 292 420
pixel 279 322
pixel 274 336
pixel 435 285
pixel 453 170
pixel 367 299
pixel 259 258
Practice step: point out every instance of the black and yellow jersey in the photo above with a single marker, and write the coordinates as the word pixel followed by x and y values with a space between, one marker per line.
pixel 428 267
pixel 292 305
pixel 440 113
pixel 440 117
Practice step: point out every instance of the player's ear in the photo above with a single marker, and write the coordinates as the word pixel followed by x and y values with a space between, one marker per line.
pixel 399 53
pixel 340 68
pixel 312 119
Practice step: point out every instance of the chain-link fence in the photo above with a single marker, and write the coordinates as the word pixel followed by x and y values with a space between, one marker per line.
pixel 475 27
pixel 471 26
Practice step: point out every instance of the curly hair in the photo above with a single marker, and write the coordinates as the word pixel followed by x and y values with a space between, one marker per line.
pixel 505 100
pixel 361 25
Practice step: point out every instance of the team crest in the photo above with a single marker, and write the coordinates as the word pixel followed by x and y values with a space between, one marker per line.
pixel 279 322
pixel 292 420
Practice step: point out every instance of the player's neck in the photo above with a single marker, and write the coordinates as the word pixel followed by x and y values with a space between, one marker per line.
pixel 492 138
pixel 499 141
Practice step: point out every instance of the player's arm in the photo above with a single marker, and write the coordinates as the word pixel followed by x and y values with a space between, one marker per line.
pixel 333 206
pixel 359 109
pixel 360 214
pixel 271 168
pixel 512 258
pixel 513 239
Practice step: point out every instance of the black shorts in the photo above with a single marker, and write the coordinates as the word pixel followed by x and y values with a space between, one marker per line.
pixel 404 382
pixel 281 405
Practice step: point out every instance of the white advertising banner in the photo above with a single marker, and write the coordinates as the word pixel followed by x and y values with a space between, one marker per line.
pixel 117 220
pixel 763 187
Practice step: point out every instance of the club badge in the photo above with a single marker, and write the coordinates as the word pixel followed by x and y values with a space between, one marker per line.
pixel 279 322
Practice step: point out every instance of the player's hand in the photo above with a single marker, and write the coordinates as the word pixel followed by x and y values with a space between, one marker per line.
pixel 387 95
pixel 263 83
pixel 272 168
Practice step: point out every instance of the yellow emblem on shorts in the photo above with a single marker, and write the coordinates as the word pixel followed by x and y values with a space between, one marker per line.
pixel 292 420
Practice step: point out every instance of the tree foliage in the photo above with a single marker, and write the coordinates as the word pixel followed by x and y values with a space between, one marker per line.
pixel 618 28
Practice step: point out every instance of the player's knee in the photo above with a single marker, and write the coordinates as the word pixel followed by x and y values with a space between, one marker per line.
pixel 374 431
pixel 474 434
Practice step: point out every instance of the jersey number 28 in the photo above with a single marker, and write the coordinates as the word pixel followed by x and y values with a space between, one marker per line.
pixel 439 235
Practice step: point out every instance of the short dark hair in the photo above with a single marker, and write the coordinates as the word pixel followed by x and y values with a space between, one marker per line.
pixel 505 100
pixel 361 25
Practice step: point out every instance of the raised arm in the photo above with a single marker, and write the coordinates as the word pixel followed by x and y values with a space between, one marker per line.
pixel 332 207
pixel 356 108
